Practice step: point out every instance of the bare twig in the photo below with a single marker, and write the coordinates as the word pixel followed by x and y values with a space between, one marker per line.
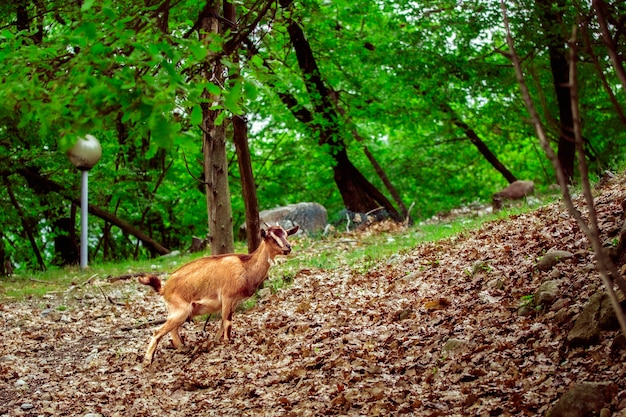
pixel 89 280
pixel 109 298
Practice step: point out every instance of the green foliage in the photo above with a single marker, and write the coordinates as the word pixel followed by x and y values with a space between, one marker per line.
pixel 401 72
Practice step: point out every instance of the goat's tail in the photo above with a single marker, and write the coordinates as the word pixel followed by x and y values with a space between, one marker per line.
pixel 151 280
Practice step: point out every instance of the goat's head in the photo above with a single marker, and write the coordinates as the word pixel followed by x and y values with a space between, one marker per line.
pixel 277 237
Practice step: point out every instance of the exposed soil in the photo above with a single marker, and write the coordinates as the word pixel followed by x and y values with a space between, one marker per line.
pixel 434 331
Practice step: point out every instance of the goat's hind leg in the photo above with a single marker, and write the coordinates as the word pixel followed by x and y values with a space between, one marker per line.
pixel 174 321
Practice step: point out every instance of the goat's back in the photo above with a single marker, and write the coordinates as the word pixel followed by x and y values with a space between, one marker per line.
pixel 205 277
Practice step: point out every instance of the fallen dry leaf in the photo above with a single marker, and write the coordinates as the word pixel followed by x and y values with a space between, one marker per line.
pixel 336 341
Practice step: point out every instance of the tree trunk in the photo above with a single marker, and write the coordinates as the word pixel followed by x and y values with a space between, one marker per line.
pixel 220 221
pixel 602 14
pixel 551 21
pixel 377 167
pixel 248 186
pixel 240 138
pixel 479 144
pixel 358 194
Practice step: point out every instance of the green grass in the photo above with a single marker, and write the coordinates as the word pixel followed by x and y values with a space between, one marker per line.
pixel 360 252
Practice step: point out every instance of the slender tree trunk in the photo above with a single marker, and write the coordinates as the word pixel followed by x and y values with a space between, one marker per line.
pixel 605 83
pixel 240 138
pixel 479 144
pixel 220 221
pixel 601 13
pixel 248 186
pixel 551 21
pixel 3 257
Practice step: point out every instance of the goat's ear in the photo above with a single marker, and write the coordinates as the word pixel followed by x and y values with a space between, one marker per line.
pixel 292 230
pixel 263 233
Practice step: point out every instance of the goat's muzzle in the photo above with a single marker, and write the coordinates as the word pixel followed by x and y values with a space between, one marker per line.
pixel 287 249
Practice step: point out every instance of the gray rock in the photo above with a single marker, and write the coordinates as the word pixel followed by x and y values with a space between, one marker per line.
pixel 547 293
pixel 597 315
pixel 552 258
pixel 311 217
pixel 584 399
pixel 453 345
pixel 51 314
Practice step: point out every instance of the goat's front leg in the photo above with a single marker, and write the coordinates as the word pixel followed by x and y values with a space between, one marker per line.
pixel 228 308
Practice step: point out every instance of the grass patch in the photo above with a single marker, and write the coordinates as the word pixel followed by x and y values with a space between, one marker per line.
pixel 362 252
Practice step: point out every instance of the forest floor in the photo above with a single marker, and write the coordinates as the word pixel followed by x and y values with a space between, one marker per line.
pixel 432 331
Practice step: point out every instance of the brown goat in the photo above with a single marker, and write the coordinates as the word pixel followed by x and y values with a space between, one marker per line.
pixel 215 283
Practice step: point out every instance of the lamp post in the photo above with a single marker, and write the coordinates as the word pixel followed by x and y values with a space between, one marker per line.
pixel 85 153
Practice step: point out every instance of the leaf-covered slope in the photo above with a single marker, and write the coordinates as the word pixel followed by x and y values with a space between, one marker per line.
pixel 433 331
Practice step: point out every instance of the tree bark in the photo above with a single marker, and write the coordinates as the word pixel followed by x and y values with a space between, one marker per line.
pixel 248 186
pixel 240 138
pixel 220 221
pixel 478 143
pixel 552 20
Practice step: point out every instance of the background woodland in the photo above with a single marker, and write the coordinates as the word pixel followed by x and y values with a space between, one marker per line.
pixel 209 111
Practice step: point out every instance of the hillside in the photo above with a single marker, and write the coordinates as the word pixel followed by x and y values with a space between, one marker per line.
pixel 434 331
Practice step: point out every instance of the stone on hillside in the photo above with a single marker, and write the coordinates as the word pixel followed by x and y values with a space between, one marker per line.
pixel 547 293
pixel 453 345
pixel 514 191
pixel 311 217
pixel 552 258
pixel 584 399
pixel 597 315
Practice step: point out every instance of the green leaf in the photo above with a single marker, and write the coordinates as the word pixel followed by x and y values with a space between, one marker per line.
pixel 196 115
pixel 232 98
pixel 88 29
pixel 198 50
pixel 87 4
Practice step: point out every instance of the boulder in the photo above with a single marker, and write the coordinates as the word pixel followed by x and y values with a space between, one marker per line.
pixel 584 399
pixel 311 217
pixel 598 315
pixel 552 258
pixel 547 293
pixel 514 191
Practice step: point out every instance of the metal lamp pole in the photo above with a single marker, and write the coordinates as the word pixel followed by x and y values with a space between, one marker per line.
pixel 85 153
